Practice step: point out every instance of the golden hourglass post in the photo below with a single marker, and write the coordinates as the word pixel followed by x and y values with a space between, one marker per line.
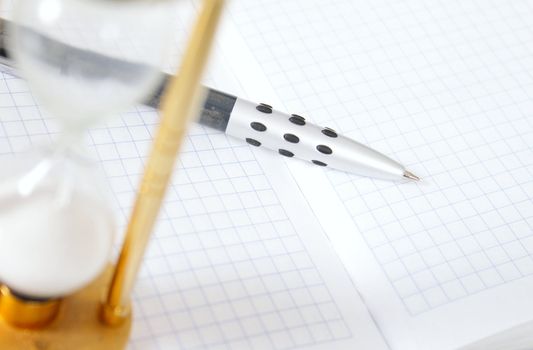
pixel 179 103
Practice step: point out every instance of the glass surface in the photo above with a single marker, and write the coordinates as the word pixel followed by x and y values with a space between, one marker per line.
pixel 84 60
pixel 56 226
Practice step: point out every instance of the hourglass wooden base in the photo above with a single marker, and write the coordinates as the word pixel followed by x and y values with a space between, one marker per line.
pixel 76 326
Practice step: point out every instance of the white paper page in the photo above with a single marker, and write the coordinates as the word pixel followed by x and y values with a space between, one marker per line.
pixel 444 87
pixel 237 260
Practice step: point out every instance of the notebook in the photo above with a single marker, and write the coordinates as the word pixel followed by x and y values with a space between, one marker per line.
pixel 251 253
pixel 444 87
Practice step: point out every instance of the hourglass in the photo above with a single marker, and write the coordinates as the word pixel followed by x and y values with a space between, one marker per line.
pixel 86 60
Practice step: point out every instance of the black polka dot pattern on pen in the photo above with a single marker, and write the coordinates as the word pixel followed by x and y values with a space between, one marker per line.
pixel 329 132
pixel 291 138
pixel 296 119
pixel 258 126
pixel 324 149
pixel 285 153
pixel 319 163
pixel 253 142
pixel 263 107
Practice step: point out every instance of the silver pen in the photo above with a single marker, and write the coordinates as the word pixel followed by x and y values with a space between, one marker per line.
pixel 259 125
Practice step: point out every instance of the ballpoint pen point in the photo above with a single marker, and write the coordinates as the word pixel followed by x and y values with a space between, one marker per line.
pixel 410 175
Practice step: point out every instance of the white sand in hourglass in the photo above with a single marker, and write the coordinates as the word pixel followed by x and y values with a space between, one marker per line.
pixel 53 240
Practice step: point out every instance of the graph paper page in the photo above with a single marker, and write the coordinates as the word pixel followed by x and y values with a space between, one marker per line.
pixel 444 87
pixel 237 260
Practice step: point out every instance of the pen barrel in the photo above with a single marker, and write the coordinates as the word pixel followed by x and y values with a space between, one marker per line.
pixel 234 116
pixel 294 137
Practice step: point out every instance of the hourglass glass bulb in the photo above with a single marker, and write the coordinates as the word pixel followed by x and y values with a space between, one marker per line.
pixel 56 231
pixel 81 90
pixel 55 236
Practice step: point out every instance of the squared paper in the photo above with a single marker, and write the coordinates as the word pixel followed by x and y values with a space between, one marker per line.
pixel 445 88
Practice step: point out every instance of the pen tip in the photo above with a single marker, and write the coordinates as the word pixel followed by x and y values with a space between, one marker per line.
pixel 410 175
